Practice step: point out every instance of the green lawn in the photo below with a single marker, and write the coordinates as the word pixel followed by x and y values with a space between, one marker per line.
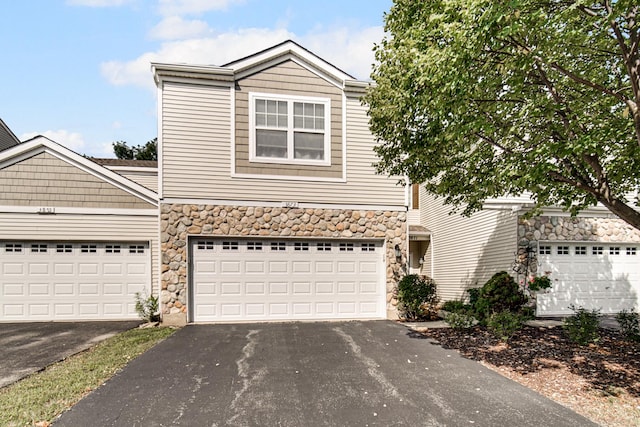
pixel 41 397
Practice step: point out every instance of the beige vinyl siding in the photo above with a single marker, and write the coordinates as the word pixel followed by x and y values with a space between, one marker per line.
pixel 287 78
pixel 45 180
pixel 468 251
pixel 149 180
pixel 196 156
pixel 89 228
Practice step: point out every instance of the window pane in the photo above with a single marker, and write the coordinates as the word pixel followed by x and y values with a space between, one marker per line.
pixel 308 146
pixel 282 107
pixel 319 124
pixel 261 119
pixel 309 122
pixel 298 122
pixel 261 105
pixel 298 108
pixel 271 143
pixel 272 107
pixel 319 110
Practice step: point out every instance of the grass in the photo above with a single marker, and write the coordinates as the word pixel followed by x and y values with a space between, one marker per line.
pixel 41 397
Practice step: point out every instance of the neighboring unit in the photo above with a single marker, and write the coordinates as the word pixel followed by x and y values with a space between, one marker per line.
pixel 77 241
pixel 270 208
pixel 7 137
pixel 593 260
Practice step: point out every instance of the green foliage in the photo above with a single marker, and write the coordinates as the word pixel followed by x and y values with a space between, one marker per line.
pixel 147 307
pixel 454 306
pixel 474 294
pixel 500 293
pixel 417 297
pixel 148 151
pixel 582 326
pixel 539 283
pixel 629 321
pixel 505 323
pixel 480 98
pixel 459 320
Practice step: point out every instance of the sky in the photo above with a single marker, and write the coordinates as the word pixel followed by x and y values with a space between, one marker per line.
pixel 79 71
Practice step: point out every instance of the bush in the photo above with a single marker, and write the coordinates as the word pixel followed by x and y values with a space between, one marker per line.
pixel 454 306
pixel 505 323
pixel 459 320
pixel 500 293
pixel 629 321
pixel 147 307
pixel 417 297
pixel 539 283
pixel 582 326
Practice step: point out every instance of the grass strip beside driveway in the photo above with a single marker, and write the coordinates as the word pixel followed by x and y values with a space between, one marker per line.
pixel 41 397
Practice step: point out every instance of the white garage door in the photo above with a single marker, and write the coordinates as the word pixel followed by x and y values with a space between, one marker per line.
pixel 72 281
pixel 258 280
pixel 592 275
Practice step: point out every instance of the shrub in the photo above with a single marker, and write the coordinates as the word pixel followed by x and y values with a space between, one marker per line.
pixel 505 323
pixel 539 283
pixel 454 306
pixel 459 320
pixel 417 297
pixel 500 293
pixel 582 326
pixel 474 294
pixel 629 321
pixel 147 307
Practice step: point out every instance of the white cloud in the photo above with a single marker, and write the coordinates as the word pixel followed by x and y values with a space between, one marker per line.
pixel 346 48
pixel 186 7
pixel 97 3
pixel 72 140
pixel 174 28
pixel 212 51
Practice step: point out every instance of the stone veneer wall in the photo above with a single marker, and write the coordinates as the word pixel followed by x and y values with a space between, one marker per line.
pixel 581 229
pixel 177 221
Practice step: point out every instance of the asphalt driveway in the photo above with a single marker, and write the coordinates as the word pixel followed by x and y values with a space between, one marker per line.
pixel 26 348
pixel 310 374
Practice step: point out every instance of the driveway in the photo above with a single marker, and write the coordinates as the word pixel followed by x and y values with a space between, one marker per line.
pixel 26 348
pixel 310 374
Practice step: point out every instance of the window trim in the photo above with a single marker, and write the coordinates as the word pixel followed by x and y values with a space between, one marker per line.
pixel 290 99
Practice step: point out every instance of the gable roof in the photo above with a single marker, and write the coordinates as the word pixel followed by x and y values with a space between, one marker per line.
pixel 287 50
pixel 125 162
pixel 41 144
pixel 7 137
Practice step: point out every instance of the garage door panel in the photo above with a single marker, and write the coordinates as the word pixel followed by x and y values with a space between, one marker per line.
pixel 253 267
pixel 10 268
pixel 13 289
pixel 600 276
pixel 286 279
pixel 63 289
pixel 46 281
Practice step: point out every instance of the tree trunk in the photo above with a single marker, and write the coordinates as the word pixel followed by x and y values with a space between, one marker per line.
pixel 624 211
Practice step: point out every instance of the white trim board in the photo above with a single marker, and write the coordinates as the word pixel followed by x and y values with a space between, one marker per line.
pixel 281 204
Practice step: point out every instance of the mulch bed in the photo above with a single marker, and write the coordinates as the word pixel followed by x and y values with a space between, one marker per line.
pixel 611 366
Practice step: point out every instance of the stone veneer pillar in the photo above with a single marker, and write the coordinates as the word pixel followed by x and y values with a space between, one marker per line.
pixel 178 221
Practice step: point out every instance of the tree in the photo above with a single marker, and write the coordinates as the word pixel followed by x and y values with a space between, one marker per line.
pixel 147 151
pixel 486 98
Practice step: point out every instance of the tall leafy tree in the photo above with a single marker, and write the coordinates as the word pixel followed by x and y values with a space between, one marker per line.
pixel 486 98
pixel 147 151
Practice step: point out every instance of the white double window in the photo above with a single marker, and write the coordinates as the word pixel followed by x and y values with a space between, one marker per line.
pixel 289 129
